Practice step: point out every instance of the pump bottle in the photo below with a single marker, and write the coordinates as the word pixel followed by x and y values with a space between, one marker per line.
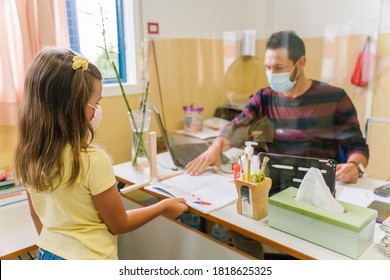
pixel 249 162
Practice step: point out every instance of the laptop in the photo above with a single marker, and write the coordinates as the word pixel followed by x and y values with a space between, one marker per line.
pixel 181 153
pixel 288 171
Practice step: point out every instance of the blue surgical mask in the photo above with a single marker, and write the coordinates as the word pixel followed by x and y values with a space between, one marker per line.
pixel 280 82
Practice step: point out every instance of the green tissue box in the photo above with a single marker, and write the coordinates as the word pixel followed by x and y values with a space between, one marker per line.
pixel 348 233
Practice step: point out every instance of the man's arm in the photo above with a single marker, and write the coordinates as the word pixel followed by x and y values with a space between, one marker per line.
pixel 353 144
pixel 213 154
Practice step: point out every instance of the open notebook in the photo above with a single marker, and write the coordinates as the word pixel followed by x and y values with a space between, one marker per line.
pixel 205 193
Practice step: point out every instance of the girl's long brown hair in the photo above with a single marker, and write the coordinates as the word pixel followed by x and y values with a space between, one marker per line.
pixel 53 114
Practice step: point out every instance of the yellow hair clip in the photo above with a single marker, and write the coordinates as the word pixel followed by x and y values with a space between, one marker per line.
pixel 80 62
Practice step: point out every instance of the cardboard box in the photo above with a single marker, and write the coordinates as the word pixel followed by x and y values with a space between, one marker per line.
pixel 348 233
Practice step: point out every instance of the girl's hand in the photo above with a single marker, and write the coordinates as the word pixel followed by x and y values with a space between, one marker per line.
pixel 174 207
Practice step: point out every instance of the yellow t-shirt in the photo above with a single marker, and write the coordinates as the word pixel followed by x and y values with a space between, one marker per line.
pixel 72 227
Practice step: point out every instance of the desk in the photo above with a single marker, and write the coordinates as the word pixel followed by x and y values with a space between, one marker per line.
pixel 17 234
pixel 166 239
pixel 259 230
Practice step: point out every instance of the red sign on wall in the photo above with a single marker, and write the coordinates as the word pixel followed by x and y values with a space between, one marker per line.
pixel 153 28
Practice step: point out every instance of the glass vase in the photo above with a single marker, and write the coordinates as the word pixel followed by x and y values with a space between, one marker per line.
pixel 140 124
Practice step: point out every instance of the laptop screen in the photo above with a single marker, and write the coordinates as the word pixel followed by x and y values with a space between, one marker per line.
pixel 183 150
pixel 288 171
pixel 162 129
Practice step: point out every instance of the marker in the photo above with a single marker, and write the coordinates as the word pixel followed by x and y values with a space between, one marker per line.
pixel 236 171
pixel 260 176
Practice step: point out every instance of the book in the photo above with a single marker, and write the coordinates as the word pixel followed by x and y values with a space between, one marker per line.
pixel 14 196
pixel 11 188
pixel 205 193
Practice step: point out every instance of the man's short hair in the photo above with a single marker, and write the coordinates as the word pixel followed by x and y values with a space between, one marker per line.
pixel 289 40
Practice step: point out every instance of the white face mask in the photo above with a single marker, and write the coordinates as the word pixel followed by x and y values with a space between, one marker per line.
pixel 97 116
pixel 280 82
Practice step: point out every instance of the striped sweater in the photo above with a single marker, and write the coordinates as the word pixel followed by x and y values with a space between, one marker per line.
pixel 316 124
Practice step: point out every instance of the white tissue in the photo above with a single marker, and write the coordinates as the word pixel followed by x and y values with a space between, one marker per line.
pixel 313 190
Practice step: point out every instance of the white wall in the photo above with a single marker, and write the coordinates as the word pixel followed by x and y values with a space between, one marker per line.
pixel 308 18
pixel 193 17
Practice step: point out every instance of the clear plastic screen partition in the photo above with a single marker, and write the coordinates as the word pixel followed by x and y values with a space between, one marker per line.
pixel 209 71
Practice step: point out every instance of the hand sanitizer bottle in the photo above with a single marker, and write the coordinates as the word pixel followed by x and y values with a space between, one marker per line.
pixel 246 160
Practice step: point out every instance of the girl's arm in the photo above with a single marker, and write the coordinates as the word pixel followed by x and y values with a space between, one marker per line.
pixel 118 220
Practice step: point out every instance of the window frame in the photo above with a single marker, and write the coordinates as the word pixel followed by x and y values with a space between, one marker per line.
pixel 132 33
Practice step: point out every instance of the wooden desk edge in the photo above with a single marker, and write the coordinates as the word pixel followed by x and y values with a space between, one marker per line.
pixel 19 252
pixel 209 217
pixel 192 229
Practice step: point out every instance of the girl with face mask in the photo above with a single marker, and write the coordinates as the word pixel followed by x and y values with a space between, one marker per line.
pixel 71 186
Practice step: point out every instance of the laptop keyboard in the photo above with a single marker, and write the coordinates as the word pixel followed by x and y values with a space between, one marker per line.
pixel 186 152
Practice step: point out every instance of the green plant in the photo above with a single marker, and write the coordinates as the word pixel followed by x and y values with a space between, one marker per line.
pixel 140 145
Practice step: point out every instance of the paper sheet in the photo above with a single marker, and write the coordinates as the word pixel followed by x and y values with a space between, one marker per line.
pixel 206 133
pixel 359 196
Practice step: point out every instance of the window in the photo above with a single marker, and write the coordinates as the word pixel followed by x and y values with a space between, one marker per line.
pixel 85 34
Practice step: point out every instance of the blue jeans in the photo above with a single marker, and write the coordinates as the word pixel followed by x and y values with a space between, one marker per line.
pixel 46 255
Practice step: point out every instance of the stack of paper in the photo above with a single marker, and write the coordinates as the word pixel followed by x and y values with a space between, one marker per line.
pixel 215 123
pixel 211 129
pixel 206 133
pixel 10 194
pixel 385 226
pixel 205 193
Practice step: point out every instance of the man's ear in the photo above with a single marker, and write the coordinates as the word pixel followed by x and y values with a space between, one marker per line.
pixel 302 61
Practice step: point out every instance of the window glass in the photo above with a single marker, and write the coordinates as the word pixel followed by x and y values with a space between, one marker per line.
pixel 86 20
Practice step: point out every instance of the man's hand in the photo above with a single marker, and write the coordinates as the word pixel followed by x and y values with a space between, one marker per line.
pixel 212 156
pixel 347 173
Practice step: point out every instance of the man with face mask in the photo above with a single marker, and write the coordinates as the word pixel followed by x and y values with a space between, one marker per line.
pixel 304 117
